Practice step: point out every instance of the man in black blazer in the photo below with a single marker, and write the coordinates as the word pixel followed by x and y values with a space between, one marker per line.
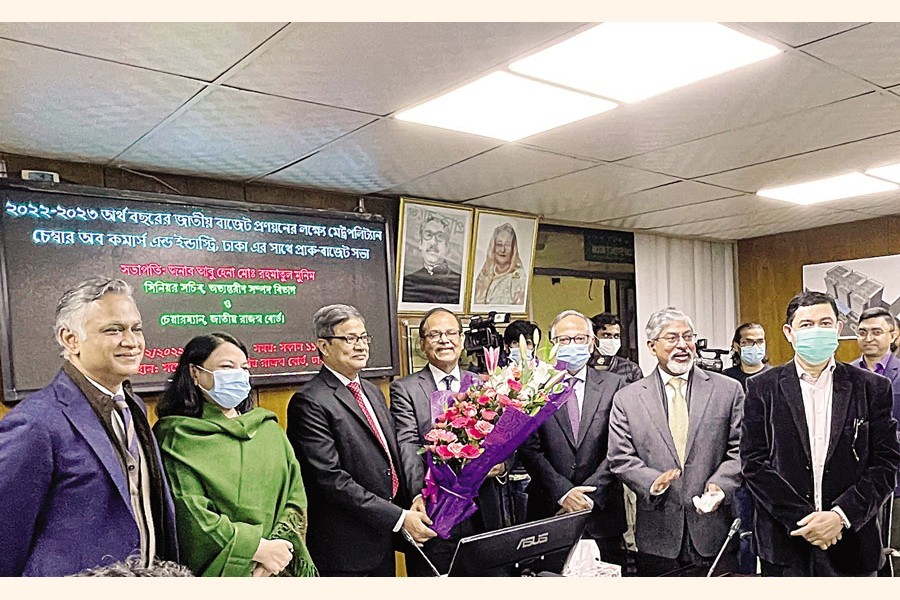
pixel 819 453
pixel 344 438
pixel 569 471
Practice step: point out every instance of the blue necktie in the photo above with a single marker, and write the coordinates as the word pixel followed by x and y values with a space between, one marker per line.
pixel 129 425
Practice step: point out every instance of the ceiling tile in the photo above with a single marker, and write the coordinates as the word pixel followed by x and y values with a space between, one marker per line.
pixel 60 105
pixel 579 190
pixel 871 52
pixel 856 156
pixel 753 94
pixel 240 134
pixel 744 204
pixel 500 169
pixel 768 222
pixel 680 193
pixel 797 34
pixel 384 67
pixel 838 123
pixel 382 155
pixel 201 50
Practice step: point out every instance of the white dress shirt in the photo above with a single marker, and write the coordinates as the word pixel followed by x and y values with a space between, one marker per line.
pixel 439 376
pixel 345 382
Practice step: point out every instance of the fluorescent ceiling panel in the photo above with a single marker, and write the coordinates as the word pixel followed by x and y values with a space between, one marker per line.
pixel 632 61
pixel 832 188
pixel 505 107
pixel 889 172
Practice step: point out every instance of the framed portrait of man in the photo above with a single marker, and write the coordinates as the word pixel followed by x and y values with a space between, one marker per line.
pixel 432 264
pixel 502 262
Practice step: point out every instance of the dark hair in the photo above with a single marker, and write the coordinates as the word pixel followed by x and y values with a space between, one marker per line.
pixel 520 327
pixel 133 567
pixel 808 298
pixel 182 397
pixel 738 334
pixel 876 312
pixel 434 310
pixel 603 319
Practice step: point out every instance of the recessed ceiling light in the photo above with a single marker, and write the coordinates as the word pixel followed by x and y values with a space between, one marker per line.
pixel 506 107
pixel 832 188
pixel 632 61
pixel 889 172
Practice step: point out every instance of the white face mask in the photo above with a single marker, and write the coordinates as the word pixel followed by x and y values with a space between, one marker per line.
pixel 608 347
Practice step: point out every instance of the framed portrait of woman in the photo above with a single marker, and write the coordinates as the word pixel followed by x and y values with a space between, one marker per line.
pixel 432 263
pixel 502 262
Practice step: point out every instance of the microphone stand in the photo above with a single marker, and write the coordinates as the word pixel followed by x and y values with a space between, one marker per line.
pixel 735 525
pixel 409 538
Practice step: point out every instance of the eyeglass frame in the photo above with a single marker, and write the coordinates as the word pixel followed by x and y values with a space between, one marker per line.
pixel 365 338
pixel 864 334
pixel 749 343
pixel 677 336
pixel 569 339
pixel 450 334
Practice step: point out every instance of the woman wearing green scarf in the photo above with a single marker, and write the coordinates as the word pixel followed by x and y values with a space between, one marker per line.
pixel 240 505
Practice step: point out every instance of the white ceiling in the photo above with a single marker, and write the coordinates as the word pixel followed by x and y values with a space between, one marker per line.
pixel 311 105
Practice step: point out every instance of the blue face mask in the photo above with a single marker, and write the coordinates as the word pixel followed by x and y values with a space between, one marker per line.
pixel 230 386
pixel 815 345
pixel 752 355
pixel 574 355
pixel 515 355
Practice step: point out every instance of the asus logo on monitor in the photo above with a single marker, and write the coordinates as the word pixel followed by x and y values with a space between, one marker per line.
pixel 533 540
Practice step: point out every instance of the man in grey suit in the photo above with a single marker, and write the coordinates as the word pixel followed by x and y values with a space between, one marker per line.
pixel 675 435
pixel 441 340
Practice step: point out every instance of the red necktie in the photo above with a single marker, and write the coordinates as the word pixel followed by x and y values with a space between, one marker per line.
pixel 357 393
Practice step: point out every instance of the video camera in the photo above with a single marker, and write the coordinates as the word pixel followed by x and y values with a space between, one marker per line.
pixel 710 363
pixel 482 333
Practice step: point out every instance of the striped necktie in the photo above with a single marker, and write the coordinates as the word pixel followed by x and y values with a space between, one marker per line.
pixel 129 425
pixel 357 395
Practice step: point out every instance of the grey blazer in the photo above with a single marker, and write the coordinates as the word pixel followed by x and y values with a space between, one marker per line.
pixel 641 449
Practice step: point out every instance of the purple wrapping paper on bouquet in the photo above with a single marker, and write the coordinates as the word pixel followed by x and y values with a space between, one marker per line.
pixel 450 496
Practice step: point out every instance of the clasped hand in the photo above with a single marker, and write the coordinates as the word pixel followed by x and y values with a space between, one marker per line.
pixel 417 522
pixel 272 557
pixel 821 528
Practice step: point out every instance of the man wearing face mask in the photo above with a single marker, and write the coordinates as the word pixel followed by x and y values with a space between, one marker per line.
pixel 566 457
pixel 748 353
pixel 674 440
pixel 820 453
pixel 512 336
pixel 608 331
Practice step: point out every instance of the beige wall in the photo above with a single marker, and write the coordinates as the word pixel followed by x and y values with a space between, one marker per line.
pixel 570 293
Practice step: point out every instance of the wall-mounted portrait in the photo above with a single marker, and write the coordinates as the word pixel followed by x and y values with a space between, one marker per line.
pixel 432 264
pixel 503 261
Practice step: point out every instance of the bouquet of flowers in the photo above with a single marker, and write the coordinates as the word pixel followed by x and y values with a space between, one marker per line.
pixel 482 426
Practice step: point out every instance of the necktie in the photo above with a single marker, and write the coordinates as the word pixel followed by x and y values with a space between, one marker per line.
pixel 678 418
pixel 357 394
pixel 129 425
pixel 572 407
pixel 448 381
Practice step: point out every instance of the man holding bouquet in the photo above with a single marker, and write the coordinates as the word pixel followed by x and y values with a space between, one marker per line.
pixel 566 457
pixel 441 340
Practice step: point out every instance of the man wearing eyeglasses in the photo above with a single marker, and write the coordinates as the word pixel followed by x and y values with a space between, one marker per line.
pixel 344 438
pixel 437 282
pixel 674 439
pixel 820 453
pixel 877 337
pixel 566 457
pixel 441 341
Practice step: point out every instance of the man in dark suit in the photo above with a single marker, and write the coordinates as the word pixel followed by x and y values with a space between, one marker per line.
pixel 436 282
pixel 820 453
pixel 441 340
pixel 344 438
pixel 81 481
pixel 566 457
pixel 674 436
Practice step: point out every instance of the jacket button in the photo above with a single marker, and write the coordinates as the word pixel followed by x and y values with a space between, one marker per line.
pixel 809 496
pixel 807 468
pixel 131 467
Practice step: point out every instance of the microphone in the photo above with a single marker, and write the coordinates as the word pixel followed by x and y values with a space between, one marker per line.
pixel 735 525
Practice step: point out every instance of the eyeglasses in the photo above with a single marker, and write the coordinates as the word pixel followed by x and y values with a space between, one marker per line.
pixel 351 339
pixel 748 343
pixel 433 336
pixel 672 338
pixel 863 333
pixel 441 236
pixel 565 340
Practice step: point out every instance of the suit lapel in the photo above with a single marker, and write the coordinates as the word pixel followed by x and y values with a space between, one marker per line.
pixel 345 397
pixel 593 390
pixel 376 399
pixel 840 406
pixel 789 383
pixel 426 386
pixel 562 419
pixel 699 393
pixel 652 398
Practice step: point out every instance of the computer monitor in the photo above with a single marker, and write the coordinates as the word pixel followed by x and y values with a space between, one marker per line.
pixel 539 546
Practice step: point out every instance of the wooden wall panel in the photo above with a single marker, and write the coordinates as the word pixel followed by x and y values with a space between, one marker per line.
pixel 770 271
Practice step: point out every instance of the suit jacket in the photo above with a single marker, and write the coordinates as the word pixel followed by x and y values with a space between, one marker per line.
pixel 65 501
pixel 557 462
pixel 443 287
pixel 860 465
pixel 641 449
pixel 892 372
pixel 346 474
